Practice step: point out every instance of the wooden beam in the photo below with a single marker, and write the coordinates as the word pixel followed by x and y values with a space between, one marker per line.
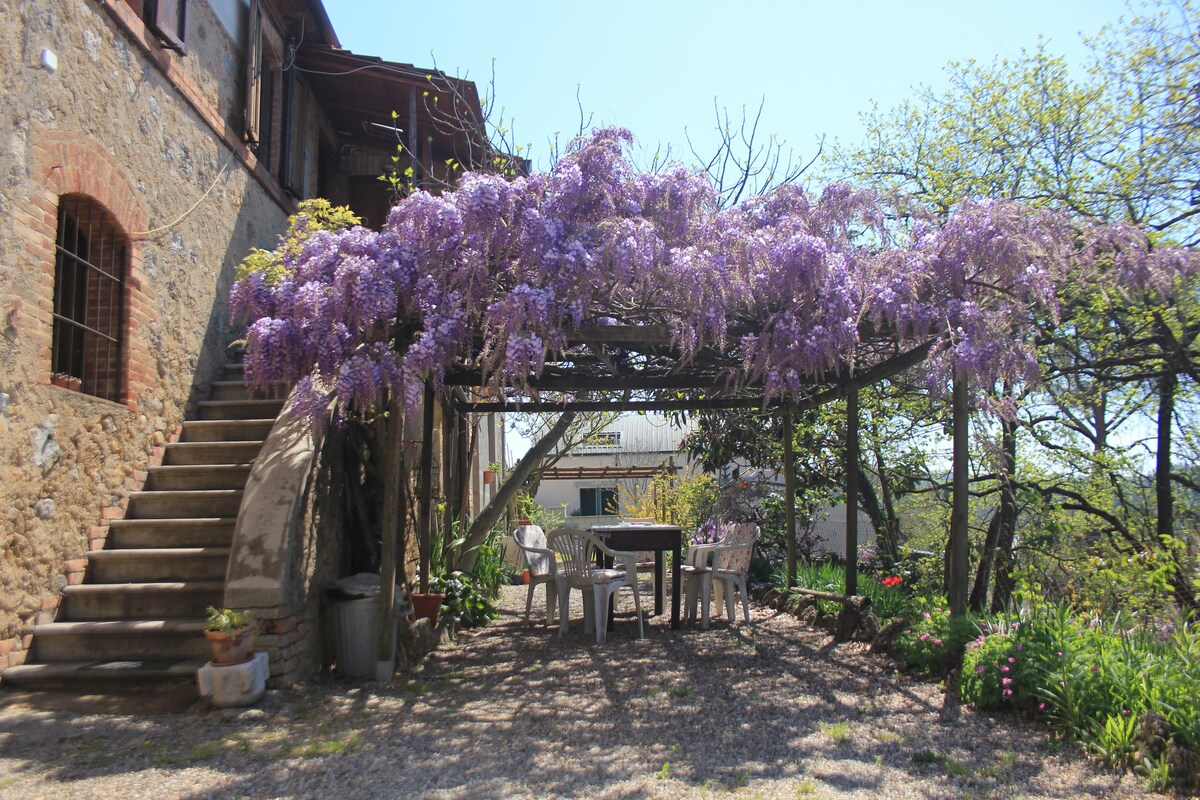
pixel 837 598
pixel 597 473
pixel 852 460
pixel 789 491
pixel 610 383
pixel 550 406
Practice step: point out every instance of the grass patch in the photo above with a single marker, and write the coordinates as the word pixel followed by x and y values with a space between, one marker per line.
pixel 839 732
pixel 890 737
pixel 319 748
pixel 953 768
pixel 807 788
pixel 681 691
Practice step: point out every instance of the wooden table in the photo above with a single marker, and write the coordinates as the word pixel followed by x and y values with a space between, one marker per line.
pixel 660 539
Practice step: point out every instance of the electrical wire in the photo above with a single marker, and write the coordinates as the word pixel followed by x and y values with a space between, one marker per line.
pixel 180 218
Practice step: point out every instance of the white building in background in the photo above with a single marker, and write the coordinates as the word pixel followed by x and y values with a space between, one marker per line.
pixel 632 441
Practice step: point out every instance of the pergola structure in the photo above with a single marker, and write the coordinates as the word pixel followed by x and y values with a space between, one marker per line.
pixel 639 368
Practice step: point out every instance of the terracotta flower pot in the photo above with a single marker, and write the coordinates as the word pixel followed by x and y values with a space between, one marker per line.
pixel 427 606
pixel 525 577
pixel 230 648
pixel 489 476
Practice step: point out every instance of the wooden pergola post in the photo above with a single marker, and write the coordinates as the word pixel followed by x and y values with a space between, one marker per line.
pixel 956 551
pixel 390 553
pixel 852 491
pixel 425 509
pixel 789 488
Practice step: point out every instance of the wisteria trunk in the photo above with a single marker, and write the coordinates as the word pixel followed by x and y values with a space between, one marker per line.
pixel 490 514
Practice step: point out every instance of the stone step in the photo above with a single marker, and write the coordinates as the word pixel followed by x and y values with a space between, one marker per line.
pixel 113 601
pixel 93 675
pixel 169 533
pixel 197 476
pixel 182 454
pixel 122 639
pixel 234 369
pixel 177 504
pixel 229 390
pixel 226 430
pixel 157 565
pixel 254 408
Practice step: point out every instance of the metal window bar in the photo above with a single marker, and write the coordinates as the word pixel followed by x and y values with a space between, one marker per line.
pixel 89 308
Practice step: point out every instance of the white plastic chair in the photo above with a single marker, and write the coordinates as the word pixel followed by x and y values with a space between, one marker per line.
pixel 542 568
pixel 730 565
pixel 577 569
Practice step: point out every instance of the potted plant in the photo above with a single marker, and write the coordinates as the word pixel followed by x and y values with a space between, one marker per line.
pixel 230 633
pixel 490 473
pixel 428 605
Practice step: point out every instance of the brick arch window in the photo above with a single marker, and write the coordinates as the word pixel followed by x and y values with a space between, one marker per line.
pixel 91 261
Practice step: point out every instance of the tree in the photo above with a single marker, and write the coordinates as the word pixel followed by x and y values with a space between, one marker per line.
pixel 579 433
pixel 1119 144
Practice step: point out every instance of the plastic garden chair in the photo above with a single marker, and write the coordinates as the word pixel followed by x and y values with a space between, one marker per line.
pixel 730 565
pixel 577 569
pixel 542 568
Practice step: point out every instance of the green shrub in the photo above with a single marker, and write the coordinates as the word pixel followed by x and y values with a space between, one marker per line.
pixel 466 601
pixel 934 642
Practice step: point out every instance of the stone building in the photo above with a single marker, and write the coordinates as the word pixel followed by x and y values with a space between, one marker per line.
pixel 150 145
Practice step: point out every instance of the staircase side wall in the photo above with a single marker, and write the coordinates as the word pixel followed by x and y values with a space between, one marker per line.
pixel 149 135
pixel 286 548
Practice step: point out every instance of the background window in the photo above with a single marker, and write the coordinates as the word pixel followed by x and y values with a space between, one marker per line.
pixel 91 255
pixel 597 502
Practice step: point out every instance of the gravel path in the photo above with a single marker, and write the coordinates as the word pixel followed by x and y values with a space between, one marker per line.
pixel 766 710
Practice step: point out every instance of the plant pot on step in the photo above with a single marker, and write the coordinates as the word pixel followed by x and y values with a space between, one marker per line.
pixel 427 606
pixel 231 647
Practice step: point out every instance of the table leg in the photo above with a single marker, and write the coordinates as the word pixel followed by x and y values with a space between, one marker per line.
pixel 660 583
pixel 676 581
pixel 612 598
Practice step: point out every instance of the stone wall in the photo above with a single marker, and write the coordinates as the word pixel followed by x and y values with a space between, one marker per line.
pixel 148 134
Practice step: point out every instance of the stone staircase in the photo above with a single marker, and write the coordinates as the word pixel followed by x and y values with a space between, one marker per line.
pixel 138 617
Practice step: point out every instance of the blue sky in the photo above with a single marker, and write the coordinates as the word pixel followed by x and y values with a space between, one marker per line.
pixel 655 67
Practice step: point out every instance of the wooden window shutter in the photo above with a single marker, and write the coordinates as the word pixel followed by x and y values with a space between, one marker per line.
pixel 254 54
pixel 168 19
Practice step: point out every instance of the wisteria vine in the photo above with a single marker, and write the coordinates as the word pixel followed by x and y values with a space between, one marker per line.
pixel 499 273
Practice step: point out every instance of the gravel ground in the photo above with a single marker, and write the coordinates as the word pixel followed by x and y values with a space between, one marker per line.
pixel 766 710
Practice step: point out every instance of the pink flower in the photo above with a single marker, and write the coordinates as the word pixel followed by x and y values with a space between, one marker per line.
pixel 937 641
pixel 1041 706
pixel 981 668
pixel 1006 681
pixel 1004 669
pixel 927 615
pixel 1020 647
pixel 1012 660
pixel 1008 692
pixel 924 636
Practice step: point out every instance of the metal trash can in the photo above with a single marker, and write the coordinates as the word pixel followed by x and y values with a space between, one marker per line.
pixel 356 623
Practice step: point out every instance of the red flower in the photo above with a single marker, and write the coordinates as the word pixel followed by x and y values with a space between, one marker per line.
pixel 895 580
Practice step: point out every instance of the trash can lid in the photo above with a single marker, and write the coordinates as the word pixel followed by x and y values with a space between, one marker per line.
pixel 354 587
